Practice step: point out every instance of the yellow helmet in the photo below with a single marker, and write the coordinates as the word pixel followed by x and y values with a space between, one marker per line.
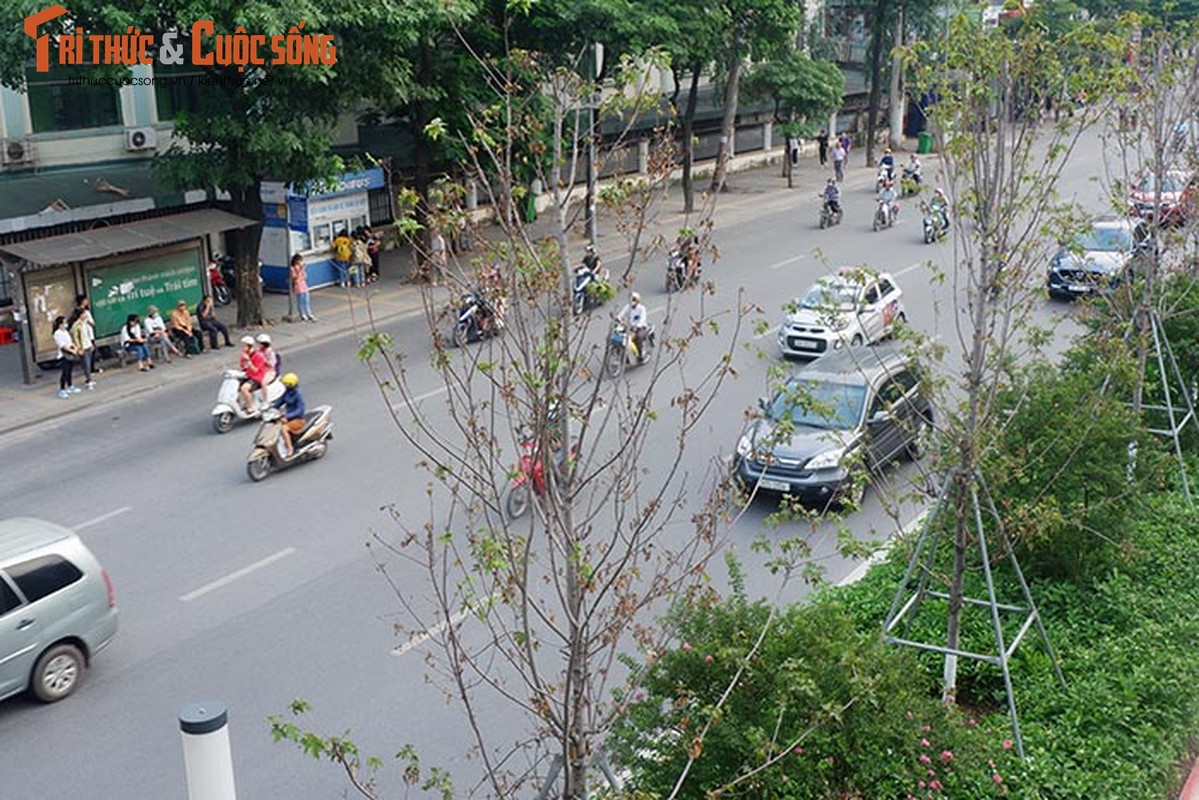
pixel 290 379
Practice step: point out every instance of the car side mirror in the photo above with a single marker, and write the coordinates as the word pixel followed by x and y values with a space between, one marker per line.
pixel 762 403
pixel 880 416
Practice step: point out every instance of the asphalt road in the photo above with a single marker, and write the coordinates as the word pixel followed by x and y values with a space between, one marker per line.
pixel 255 594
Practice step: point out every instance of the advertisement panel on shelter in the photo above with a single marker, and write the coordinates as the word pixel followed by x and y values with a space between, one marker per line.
pixel 49 293
pixel 132 286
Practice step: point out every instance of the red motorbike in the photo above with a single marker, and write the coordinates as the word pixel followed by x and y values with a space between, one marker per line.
pixel 222 295
pixel 529 480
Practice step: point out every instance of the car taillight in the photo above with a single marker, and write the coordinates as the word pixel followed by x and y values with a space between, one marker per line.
pixel 112 593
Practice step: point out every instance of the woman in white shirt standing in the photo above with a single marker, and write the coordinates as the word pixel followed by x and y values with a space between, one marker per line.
pixel 67 356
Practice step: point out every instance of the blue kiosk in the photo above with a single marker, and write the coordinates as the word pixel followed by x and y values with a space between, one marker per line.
pixel 305 220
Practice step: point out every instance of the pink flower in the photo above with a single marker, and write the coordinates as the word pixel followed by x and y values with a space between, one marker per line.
pixel 708 658
pixel 921 785
pixel 924 759
pixel 908 714
pixel 934 785
pixel 639 695
pixel 798 751
pixel 924 743
pixel 686 647
pixel 927 728
pixel 830 760
pixel 1007 744
pixel 932 773
pixel 971 722
pixel 946 756
pixel 997 778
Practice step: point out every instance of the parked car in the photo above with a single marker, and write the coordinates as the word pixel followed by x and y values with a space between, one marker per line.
pixel 1100 257
pixel 57 609
pixel 846 414
pixel 1172 202
pixel 855 306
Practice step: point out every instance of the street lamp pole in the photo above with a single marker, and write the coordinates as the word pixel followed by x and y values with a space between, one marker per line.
pixel 595 63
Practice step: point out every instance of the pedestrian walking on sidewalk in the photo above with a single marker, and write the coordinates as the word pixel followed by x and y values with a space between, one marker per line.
pixel 839 155
pixel 83 334
pixel 299 287
pixel 437 257
pixel 822 143
pixel 68 356
pixel 846 143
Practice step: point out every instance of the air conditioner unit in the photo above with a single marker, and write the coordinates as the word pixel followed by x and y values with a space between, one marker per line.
pixel 141 139
pixel 17 151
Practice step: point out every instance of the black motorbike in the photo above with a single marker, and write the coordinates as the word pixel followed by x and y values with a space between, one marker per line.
pixel 476 320
pixel 677 275
pixel 587 284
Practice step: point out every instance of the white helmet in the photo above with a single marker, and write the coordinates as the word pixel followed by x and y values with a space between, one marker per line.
pixel 264 338
pixel 248 340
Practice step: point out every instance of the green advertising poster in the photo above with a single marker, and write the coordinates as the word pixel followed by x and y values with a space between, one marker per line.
pixel 130 288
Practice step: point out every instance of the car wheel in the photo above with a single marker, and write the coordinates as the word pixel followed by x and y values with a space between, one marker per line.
pixel 57 672
pixel 850 498
pixel 857 340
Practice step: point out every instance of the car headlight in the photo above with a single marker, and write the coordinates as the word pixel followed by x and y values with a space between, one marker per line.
pixel 744 446
pixel 827 459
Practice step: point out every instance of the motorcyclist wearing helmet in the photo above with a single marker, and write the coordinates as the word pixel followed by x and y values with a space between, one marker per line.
pixel 940 206
pixel 636 318
pixel 888 162
pixel 292 403
pixel 253 364
pixel 271 357
pixel 591 260
pixel 832 196
pixel 887 196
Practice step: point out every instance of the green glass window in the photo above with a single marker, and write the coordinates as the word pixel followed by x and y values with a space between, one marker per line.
pixel 63 100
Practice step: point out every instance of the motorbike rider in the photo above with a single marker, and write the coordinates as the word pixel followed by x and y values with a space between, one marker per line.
pixel 292 403
pixel 832 196
pixel 911 170
pixel 591 260
pixel 253 364
pixel 688 245
pixel 636 319
pixel 888 162
pixel 273 362
pixel 887 196
pixel 939 205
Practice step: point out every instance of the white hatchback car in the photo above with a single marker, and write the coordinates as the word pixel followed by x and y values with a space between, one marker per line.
pixel 854 306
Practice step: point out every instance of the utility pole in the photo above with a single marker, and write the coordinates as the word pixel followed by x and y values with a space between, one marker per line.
pixel 595 65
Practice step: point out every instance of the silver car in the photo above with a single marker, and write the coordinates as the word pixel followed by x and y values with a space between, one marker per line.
pixel 57 609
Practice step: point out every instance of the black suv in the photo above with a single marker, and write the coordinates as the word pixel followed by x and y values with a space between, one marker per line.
pixel 852 410
pixel 1098 258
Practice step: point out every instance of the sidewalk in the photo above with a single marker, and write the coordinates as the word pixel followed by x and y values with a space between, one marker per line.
pixel 392 297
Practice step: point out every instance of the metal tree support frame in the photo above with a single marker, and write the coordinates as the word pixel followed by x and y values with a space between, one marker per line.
pixel 923 559
pixel 1163 351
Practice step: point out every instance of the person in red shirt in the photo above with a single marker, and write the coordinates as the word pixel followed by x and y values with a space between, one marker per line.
pixel 253 364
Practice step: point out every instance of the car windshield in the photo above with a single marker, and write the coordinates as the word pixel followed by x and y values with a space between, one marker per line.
pixel 818 404
pixel 830 296
pixel 1170 183
pixel 1106 240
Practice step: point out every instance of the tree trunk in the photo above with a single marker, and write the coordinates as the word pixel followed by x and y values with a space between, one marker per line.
pixel 897 104
pixel 727 128
pixel 243 242
pixel 421 156
pixel 876 65
pixel 688 145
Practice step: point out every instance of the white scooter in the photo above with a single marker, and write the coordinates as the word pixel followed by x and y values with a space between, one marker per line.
pixel 228 408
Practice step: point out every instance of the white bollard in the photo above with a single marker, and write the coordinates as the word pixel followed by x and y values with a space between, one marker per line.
pixel 207 757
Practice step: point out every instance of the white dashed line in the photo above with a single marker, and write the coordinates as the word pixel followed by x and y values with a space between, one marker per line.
pixel 102 518
pixel 232 576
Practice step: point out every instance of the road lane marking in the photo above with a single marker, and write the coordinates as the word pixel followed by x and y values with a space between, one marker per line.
pixel 424 636
pixel 879 555
pixel 766 333
pixel 787 261
pixel 909 268
pixel 232 576
pixel 102 518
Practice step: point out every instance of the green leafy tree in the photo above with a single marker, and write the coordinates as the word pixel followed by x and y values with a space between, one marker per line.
pixel 804 91
pixel 267 122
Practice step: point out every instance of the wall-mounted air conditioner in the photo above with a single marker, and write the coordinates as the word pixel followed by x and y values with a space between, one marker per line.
pixel 141 139
pixel 16 151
